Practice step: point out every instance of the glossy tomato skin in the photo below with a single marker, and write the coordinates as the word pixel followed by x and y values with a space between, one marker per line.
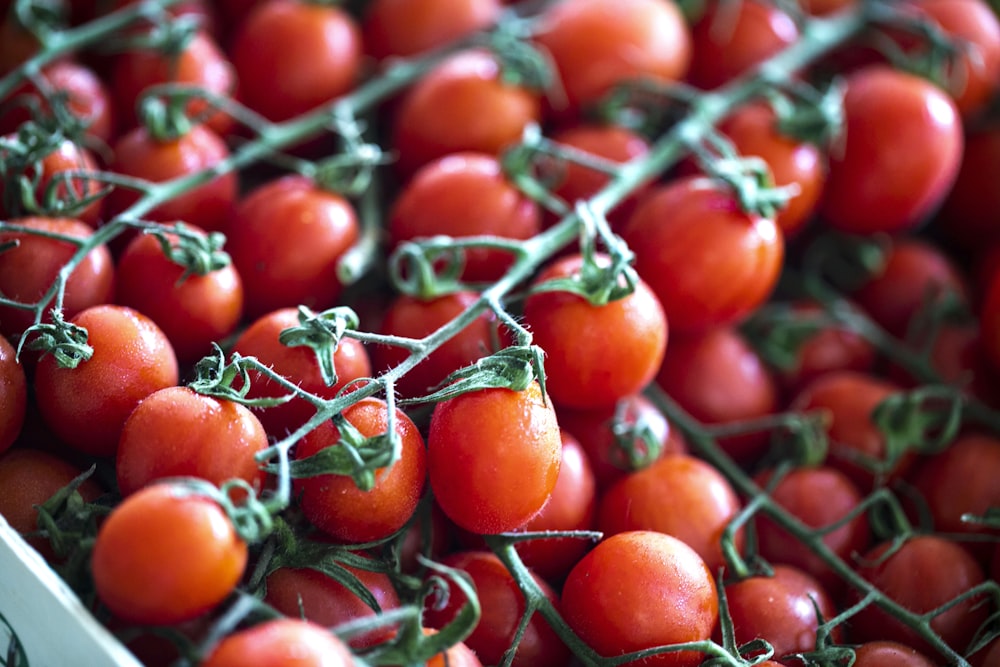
pixel 503 606
pixel 668 597
pixel 595 355
pixel 463 104
pixel 297 364
pixel 708 262
pixel 406 28
pixel 164 556
pixel 293 56
pixel 902 149
pixel 13 395
pixel 701 504
pixel 437 201
pixel 87 406
pixel 596 44
pixel 175 432
pixel 493 457
pixel 285 239
pixel 286 642
pixel 194 311
pixel 334 503
pixel 878 653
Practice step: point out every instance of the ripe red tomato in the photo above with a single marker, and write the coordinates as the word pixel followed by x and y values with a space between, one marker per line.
pixel 638 590
pixel 595 355
pixel 292 56
pixel 286 238
pixel 901 152
pixel 87 406
pixel 193 312
pixel 284 642
pixel 879 653
pixel 493 457
pixel 165 555
pixel 597 44
pixel 708 262
pixel 407 28
pixel 335 504
pixel 175 432
pixel 459 655
pixel 13 395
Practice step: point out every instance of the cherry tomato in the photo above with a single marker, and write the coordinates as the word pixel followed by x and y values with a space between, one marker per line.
pixel 13 395
pixel 459 655
pixel 407 28
pixel 166 555
pixel 87 406
pixel 335 504
pixel 595 355
pixel 175 432
pixel 878 653
pixel 283 642
pixel 292 56
pixel 286 238
pixel 708 262
pixel 970 215
pixel 597 44
pixel 901 152
pixel 493 457
pixel 638 590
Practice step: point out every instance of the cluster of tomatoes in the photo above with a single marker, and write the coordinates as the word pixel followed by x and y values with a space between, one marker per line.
pixel 340 306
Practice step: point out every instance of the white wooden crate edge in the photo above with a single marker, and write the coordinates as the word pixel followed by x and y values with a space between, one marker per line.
pixel 53 626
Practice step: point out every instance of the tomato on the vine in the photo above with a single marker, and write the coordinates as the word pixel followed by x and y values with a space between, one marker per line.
pixel 407 28
pixel 13 395
pixel 284 642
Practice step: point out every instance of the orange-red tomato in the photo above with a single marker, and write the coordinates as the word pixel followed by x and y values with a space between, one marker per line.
pixel 407 28
pixel 285 642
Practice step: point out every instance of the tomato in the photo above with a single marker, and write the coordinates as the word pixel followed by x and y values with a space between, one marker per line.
pixel 406 28
pixel 493 457
pixel 166 555
pixel 701 504
pixel 13 395
pixel 718 378
pixel 989 656
pixel 200 62
pixel 598 44
pixel 595 429
pixel 463 104
pixel 138 155
pixel 459 655
pixel 284 642
pixel 87 406
pixel 970 215
pixel 708 262
pixel 437 201
pixel 415 318
pixel 292 56
pixel 824 7
pixel 924 573
pixel 175 432
pixel 334 503
pixel 502 608
pixel 878 653
pixel 193 311
pixel 595 355
pixel 730 40
pixel 901 152
pixel 818 497
pixel 298 364
pixel 286 237
pixel 316 597
pixel 638 590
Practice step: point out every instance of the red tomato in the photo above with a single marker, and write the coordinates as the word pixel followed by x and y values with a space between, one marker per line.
pixel 708 262
pixel 334 503
pixel 13 395
pixel 316 597
pixel 595 355
pixel 729 40
pixel 165 555
pixel 459 655
pixel 901 152
pixel 824 7
pixel 87 406
pixel 970 215
pixel 297 364
pixel 285 642
pixel 463 104
pixel 286 238
pixel 194 311
pixel 437 201
pixel 880 653
pixel 502 608
pixel 597 44
pixel 293 56
pixel 407 28
pixel 701 504
pixel 493 457
pixel 175 432
pixel 638 590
